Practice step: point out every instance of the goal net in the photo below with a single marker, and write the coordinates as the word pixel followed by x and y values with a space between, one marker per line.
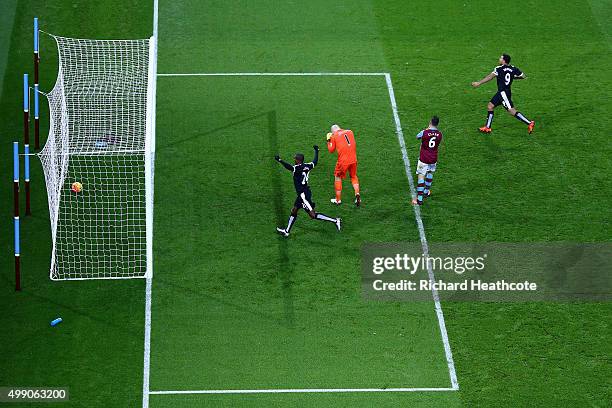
pixel 98 159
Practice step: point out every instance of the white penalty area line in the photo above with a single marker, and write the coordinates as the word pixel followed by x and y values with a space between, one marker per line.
pixel 421 228
pixel 201 74
pixel 302 390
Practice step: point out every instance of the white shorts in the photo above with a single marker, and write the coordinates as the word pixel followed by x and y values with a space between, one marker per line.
pixel 424 168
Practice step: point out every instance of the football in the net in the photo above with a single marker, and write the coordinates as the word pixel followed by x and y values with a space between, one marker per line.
pixel 76 187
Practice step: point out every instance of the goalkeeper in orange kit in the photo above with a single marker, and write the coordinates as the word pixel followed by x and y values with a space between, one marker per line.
pixel 343 141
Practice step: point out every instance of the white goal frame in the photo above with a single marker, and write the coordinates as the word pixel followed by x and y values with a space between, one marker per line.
pixel 150 152
pixel 52 159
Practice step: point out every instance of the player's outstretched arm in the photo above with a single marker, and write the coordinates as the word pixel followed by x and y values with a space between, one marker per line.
pixel 284 163
pixel 420 134
pixel 483 80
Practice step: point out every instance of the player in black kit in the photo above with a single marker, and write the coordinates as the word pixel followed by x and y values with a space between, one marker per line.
pixel 505 74
pixel 301 172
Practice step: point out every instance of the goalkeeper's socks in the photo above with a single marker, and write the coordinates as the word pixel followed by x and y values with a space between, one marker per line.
pixel 355 182
pixel 324 217
pixel 489 119
pixel 428 181
pixel 522 118
pixel 338 187
pixel 290 222
pixel 420 190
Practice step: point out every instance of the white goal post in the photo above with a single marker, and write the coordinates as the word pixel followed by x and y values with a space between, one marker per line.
pixel 98 159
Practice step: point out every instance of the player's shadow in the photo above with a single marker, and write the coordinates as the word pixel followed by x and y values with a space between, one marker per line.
pixel 190 290
pixel 285 270
pixel 191 138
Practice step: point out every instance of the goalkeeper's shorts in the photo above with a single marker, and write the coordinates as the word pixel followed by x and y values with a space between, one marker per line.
pixel 343 168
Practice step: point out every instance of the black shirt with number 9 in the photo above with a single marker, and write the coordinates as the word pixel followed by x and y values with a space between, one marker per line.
pixel 505 75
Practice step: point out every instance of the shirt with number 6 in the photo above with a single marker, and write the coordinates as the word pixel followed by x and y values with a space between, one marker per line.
pixel 430 141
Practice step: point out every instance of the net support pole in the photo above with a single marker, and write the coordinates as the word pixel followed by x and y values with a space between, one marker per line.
pixel 36 62
pixel 26 178
pixel 26 139
pixel 16 213
pixel 26 110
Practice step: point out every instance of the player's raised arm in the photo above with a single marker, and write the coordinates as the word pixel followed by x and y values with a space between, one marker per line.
pixel 284 163
pixel 331 142
pixel 316 156
pixel 483 80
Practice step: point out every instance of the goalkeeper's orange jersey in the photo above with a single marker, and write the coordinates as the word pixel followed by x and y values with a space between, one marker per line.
pixel 343 141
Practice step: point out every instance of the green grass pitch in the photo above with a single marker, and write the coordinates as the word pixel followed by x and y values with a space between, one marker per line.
pixel 234 306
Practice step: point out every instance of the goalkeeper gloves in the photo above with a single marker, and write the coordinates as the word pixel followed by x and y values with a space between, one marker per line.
pixel 329 136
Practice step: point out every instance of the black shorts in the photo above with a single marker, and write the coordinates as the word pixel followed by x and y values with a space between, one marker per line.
pixel 304 200
pixel 503 98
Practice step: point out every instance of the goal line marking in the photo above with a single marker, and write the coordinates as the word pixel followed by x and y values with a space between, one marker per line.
pixel 146 370
pixel 302 390
pixel 422 236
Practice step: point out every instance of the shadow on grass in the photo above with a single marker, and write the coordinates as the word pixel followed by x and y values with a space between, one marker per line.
pixel 102 320
pixel 215 130
pixel 285 271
